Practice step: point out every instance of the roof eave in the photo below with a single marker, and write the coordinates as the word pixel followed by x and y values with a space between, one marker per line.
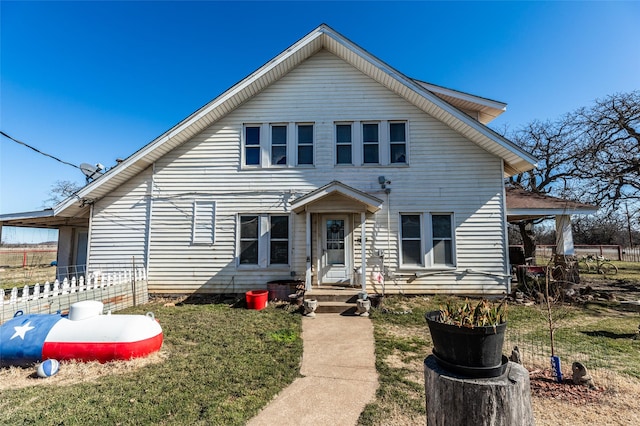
pixel 26 215
pixel 517 160
pixel 550 211
pixel 371 203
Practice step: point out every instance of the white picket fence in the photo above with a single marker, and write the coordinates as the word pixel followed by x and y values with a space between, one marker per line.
pixel 117 290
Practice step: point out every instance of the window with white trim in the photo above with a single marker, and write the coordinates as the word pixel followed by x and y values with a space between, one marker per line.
pixel 305 144
pixel 442 236
pixel 398 142
pixel 249 233
pixel 411 238
pixel 204 220
pixel 279 240
pixel 427 240
pixel 344 151
pixel 370 143
pixel 278 145
pixel 252 150
pixel 264 240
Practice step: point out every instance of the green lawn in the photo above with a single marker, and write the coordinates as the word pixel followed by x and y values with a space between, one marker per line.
pixel 222 366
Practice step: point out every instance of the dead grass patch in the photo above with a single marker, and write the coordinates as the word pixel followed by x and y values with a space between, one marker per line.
pixel 399 417
pixel 405 331
pixel 413 367
pixel 618 406
pixel 73 372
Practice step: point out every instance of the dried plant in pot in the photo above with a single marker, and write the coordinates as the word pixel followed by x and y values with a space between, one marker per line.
pixel 468 337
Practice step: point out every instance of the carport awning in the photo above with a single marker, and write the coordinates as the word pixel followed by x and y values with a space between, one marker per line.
pixel 41 219
pixel 369 202
pixel 523 205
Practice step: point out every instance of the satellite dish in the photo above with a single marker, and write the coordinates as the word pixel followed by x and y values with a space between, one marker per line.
pixel 91 172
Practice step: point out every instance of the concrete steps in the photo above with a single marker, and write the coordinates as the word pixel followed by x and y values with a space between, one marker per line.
pixel 338 300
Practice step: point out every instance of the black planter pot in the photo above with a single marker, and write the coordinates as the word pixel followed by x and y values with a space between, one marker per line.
pixel 475 352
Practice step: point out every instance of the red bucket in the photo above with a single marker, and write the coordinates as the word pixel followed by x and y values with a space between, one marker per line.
pixel 257 299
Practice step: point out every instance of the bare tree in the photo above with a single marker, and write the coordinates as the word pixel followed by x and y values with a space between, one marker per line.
pixel 610 160
pixel 60 190
pixel 557 149
pixel 591 155
pixel 600 229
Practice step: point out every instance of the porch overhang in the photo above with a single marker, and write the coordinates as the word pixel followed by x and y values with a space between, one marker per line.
pixel 368 202
pixel 525 205
pixel 41 219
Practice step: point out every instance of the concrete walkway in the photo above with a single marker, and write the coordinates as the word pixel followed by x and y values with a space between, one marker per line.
pixel 340 378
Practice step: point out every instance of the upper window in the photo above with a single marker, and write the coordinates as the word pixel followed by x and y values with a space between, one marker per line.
pixel 398 142
pixel 252 145
pixel 264 240
pixel 279 145
pixel 370 143
pixel 204 219
pixel 305 144
pixel 343 144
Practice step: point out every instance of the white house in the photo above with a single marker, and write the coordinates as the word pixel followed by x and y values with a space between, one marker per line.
pixel 327 165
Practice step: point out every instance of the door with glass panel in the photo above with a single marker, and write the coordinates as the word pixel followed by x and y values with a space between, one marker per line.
pixel 336 255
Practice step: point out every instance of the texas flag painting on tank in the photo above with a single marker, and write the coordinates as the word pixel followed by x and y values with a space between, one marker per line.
pixel 84 335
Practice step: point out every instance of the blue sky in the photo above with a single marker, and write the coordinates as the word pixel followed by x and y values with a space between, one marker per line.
pixel 95 81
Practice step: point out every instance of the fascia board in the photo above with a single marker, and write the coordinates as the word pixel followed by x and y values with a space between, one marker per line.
pixel 551 211
pixel 26 215
pixel 464 96
pixel 373 203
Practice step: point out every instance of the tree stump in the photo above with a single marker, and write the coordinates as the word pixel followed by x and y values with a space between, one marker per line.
pixel 497 401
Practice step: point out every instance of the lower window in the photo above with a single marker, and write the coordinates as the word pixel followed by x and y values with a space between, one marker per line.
pixel 411 237
pixel 264 240
pixel 431 244
pixel 441 231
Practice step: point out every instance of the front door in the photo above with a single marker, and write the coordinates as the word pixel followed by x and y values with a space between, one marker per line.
pixel 335 250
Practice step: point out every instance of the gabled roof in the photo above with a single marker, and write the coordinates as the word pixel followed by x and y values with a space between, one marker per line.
pixel 515 159
pixel 371 203
pixel 487 109
pixel 522 204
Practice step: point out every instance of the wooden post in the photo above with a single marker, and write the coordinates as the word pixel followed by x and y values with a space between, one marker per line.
pixel 498 401
pixel 133 281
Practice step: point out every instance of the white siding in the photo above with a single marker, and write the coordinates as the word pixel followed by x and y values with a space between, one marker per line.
pixel 447 173
pixel 119 225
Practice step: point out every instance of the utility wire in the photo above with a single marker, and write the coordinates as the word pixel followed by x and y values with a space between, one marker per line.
pixel 37 150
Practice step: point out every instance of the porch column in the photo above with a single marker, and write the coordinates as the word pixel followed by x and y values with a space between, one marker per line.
pixel 363 250
pixel 564 235
pixel 307 278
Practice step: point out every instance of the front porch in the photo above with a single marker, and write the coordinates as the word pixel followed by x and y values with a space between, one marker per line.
pixel 336 244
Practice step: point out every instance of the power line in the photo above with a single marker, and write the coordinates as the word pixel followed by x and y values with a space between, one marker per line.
pixel 37 150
